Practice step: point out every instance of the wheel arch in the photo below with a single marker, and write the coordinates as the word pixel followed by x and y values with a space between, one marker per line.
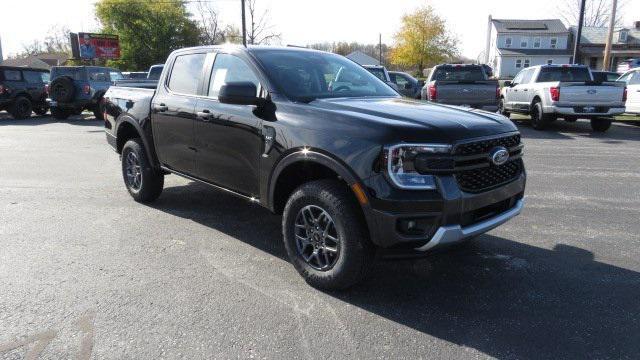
pixel 126 129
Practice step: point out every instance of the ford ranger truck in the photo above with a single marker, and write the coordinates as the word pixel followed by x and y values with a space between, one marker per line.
pixel 353 170
pixel 549 92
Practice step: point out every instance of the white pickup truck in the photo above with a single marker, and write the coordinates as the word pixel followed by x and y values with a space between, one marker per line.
pixel 548 92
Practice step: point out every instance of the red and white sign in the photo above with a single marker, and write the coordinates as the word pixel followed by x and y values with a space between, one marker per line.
pixel 98 46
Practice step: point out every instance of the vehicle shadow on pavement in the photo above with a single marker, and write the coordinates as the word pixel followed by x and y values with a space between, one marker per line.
pixel 35 120
pixel 562 130
pixel 506 299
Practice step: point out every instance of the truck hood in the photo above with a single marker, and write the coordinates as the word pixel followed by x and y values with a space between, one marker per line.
pixel 419 120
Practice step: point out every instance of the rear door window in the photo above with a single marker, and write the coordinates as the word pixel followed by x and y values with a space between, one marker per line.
pixel 12 75
pixel 186 73
pixel 378 72
pixel 33 77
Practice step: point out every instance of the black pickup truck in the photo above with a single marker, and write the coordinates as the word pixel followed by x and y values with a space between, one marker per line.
pixel 352 169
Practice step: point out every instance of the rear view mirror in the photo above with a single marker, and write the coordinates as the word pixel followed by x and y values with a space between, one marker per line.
pixel 239 93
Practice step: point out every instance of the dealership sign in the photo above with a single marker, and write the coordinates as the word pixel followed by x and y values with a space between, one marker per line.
pixel 97 46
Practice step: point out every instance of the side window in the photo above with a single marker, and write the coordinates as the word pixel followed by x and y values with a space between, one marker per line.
pixel 33 77
pixel 635 78
pixel 554 43
pixel 45 76
pixel 98 75
pixel 518 78
pixel 186 73
pixel 12 75
pixel 229 68
pixel 401 81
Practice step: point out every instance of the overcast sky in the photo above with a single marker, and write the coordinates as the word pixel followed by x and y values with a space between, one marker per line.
pixel 302 22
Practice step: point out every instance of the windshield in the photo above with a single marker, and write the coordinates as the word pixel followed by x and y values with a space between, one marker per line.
pixel 459 73
pixel 305 76
pixel 569 73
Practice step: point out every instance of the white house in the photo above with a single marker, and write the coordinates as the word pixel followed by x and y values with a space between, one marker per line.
pixel 516 44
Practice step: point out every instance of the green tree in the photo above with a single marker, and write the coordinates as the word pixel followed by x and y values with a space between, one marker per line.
pixel 423 40
pixel 148 30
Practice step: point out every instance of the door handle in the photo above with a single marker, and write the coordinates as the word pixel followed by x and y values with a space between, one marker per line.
pixel 526 89
pixel 204 115
pixel 160 108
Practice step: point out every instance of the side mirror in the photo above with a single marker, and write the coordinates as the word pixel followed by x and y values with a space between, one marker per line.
pixel 508 83
pixel 239 93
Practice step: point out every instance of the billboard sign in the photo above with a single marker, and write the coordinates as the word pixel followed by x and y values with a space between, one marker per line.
pixel 98 46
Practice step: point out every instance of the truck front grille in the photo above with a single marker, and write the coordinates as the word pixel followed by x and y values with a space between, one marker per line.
pixel 489 177
pixel 484 146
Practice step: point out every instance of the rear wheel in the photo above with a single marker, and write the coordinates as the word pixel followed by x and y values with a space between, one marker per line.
pixel 539 120
pixel 98 112
pixel 41 110
pixel 600 125
pixel 325 236
pixel 501 109
pixel 59 114
pixel 142 181
pixel 21 108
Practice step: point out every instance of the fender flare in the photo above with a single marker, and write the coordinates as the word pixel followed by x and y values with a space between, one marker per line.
pixel 148 146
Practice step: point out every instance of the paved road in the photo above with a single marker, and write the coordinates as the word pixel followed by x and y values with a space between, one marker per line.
pixel 85 271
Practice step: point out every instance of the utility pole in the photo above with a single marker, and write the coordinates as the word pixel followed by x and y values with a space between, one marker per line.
pixel 607 49
pixel 380 45
pixel 576 48
pixel 244 26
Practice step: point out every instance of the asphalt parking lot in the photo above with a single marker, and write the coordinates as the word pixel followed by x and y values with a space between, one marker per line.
pixel 87 272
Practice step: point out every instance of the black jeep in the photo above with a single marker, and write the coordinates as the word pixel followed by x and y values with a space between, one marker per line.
pixel 22 91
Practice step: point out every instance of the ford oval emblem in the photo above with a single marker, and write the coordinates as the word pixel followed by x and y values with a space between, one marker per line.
pixel 499 155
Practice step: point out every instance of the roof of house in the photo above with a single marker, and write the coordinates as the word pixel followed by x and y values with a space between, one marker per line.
pixel 598 35
pixel 551 26
pixel 29 61
pixel 362 58
pixel 536 52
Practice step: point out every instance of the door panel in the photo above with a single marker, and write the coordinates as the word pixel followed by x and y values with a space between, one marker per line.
pixel 228 137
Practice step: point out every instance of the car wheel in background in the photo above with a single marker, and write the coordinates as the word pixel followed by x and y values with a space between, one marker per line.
pixel 62 89
pixel 501 108
pixel 41 110
pixel 325 235
pixel 539 120
pixel 98 112
pixel 600 124
pixel 59 114
pixel 21 108
pixel 142 181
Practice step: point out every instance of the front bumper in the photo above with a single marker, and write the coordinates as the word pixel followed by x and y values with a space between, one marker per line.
pixel 571 110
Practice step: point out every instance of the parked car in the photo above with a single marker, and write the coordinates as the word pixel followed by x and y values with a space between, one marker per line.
pixel 381 73
pixel 155 71
pixel 464 85
pixel 352 171
pixel 547 92
pixel 627 65
pixel 77 88
pixel 22 91
pixel 604 76
pixel 135 75
pixel 632 79
pixel 407 84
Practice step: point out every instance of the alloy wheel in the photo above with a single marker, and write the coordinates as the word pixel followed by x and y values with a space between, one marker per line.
pixel 133 171
pixel 317 239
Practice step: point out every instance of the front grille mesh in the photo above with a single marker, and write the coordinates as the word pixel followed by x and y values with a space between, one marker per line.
pixel 484 146
pixel 486 178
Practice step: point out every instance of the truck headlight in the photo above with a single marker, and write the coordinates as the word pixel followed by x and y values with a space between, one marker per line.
pixel 400 162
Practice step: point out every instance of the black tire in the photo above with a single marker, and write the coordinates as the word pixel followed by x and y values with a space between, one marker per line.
pixel 570 119
pixel 21 108
pixel 539 120
pixel 59 114
pixel 142 181
pixel 98 112
pixel 600 125
pixel 62 89
pixel 353 253
pixel 501 108
pixel 41 110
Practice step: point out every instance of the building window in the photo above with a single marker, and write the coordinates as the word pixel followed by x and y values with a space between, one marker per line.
pixel 518 63
pixel 527 63
pixel 536 42
pixel 507 42
pixel 624 34
pixel 593 63
pixel 550 62
pixel 524 43
pixel 554 43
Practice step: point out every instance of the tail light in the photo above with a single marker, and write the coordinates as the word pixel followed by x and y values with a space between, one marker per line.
pixel 86 89
pixel 2 89
pixel 498 92
pixel 433 92
pixel 555 93
pixel 46 89
pixel 624 95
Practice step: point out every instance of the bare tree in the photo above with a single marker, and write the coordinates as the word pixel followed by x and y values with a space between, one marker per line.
pixel 211 31
pixel 260 30
pixel 597 12
pixel 55 42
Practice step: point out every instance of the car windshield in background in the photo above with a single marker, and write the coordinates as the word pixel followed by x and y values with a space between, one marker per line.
pixel 116 75
pixel 75 73
pixel 305 76
pixel 378 72
pixel 154 73
pixel 569 73
pixel 459 73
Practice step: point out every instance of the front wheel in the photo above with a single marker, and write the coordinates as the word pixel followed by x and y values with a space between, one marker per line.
pixel 21 108
pixel 325 235
pixel 501 109
pixel 142 181
pixel 600 125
